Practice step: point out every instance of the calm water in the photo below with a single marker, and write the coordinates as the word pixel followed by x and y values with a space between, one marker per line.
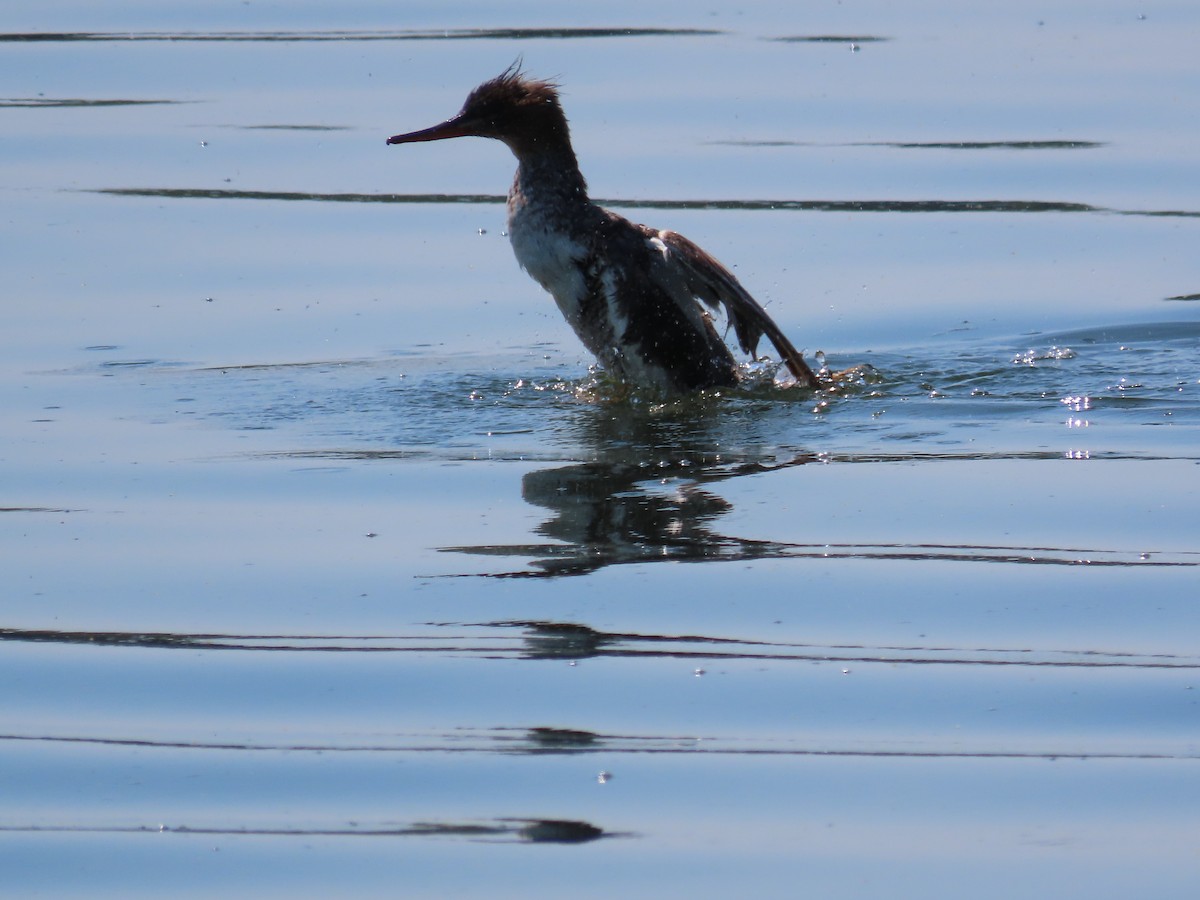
pixel 330 567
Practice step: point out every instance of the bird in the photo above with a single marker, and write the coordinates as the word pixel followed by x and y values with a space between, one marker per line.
pixel 642 300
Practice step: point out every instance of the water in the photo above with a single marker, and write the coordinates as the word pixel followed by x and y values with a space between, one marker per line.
pixel 331 567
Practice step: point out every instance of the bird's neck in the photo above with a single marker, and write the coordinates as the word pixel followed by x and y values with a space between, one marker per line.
pixel 548 177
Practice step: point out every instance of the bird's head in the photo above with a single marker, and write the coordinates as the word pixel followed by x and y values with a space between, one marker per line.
pixel 522 112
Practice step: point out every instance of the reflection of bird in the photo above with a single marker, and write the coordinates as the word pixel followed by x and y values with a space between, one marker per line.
pixel 630 292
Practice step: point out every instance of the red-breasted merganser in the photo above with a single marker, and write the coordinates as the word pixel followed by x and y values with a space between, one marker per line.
pixel 632 293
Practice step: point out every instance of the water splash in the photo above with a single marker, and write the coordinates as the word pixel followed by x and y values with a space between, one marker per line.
pixel 961 397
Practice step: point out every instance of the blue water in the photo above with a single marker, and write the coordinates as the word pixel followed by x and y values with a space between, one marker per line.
pixel 331 566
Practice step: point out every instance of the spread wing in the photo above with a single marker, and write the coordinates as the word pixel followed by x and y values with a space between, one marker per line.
pixel 713 284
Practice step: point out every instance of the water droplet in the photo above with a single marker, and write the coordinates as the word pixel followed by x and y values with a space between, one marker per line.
pixel 845 671
pixel 604 777
pixel 698 672
pixel 819 356
pixel 483 231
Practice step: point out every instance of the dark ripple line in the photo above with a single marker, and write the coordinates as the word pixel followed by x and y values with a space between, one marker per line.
pixel 554 831
pixel 556 639
pixel 604 744
pixel 449 34
pixel 254 642
pixel 556 560
pixel 866 457
pixel 928 145
pixel 830 39
pixel 48 102
pixel 985 145
pixel 841 206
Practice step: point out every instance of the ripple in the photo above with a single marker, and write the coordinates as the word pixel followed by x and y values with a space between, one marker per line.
pixel 831 39
pixel 448 34
pixel 751 205
pixel 59 102
pixel 539 640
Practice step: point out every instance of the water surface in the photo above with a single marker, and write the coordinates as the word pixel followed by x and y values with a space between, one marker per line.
pixel 331 566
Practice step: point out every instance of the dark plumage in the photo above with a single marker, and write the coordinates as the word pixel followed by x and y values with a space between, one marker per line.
pixel 638 298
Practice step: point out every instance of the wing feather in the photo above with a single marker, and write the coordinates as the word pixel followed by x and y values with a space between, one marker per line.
pixel 714 285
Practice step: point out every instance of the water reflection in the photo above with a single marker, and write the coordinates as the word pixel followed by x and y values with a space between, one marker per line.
pixel 648 495
pixel 626 480
pixel 605 514
pixel 644 494
pixel 561 740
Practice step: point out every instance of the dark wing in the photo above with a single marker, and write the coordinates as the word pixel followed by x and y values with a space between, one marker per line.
pixel 712 283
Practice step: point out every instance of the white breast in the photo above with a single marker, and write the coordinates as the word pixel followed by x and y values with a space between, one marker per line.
pixel 549 256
